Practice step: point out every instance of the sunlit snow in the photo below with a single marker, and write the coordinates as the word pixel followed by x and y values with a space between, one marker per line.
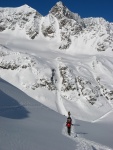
pixel 40 83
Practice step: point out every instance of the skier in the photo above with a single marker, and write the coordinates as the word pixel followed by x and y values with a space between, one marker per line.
pixel 69 123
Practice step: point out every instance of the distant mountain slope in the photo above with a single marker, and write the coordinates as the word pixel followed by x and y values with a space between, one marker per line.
pixel 81 83
pixel 67 28
pixel 23 19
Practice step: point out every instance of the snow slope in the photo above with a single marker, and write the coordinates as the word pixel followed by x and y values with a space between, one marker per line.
pixel 27 124
pixel 40 81
pixel 79 83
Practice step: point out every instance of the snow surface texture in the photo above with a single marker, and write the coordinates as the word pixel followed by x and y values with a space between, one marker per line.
pixel 63 62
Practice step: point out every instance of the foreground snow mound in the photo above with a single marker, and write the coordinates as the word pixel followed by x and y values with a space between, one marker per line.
pixel 27 124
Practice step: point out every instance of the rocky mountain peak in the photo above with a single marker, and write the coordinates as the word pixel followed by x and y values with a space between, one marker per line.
pixel 60 4
pixel 60 11
pixel 61 24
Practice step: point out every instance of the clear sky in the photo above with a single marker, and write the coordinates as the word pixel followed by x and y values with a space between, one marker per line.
pixel 85 8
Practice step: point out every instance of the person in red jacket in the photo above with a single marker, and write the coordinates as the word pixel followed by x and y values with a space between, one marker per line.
pixel 69 123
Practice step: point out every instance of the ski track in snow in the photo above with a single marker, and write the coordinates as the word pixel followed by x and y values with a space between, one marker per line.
pixel 82 143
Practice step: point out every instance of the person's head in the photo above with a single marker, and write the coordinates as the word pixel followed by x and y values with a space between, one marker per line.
pixel 69 113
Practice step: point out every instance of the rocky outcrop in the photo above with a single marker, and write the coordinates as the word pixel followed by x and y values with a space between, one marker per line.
pixel 21 18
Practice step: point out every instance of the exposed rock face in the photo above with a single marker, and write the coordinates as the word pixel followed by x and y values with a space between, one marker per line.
pixel 48 27
pixel 70 24
pixel 101 31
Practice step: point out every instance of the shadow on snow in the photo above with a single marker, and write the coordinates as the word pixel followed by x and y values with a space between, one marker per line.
pixel 9 106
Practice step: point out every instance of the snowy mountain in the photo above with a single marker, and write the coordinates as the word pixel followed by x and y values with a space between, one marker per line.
pixel 20 19
pixel 76 80
pixel 64 62
pixel 72 82
pixel 62 25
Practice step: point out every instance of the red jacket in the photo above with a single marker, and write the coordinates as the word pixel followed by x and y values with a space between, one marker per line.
pixel 69 122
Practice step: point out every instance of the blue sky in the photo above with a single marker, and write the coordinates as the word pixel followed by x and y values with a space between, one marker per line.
pixel 85 8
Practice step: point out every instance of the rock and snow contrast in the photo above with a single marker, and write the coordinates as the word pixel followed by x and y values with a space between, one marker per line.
pixel 50 65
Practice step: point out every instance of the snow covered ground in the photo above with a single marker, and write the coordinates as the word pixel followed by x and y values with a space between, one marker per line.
pixel 25 123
